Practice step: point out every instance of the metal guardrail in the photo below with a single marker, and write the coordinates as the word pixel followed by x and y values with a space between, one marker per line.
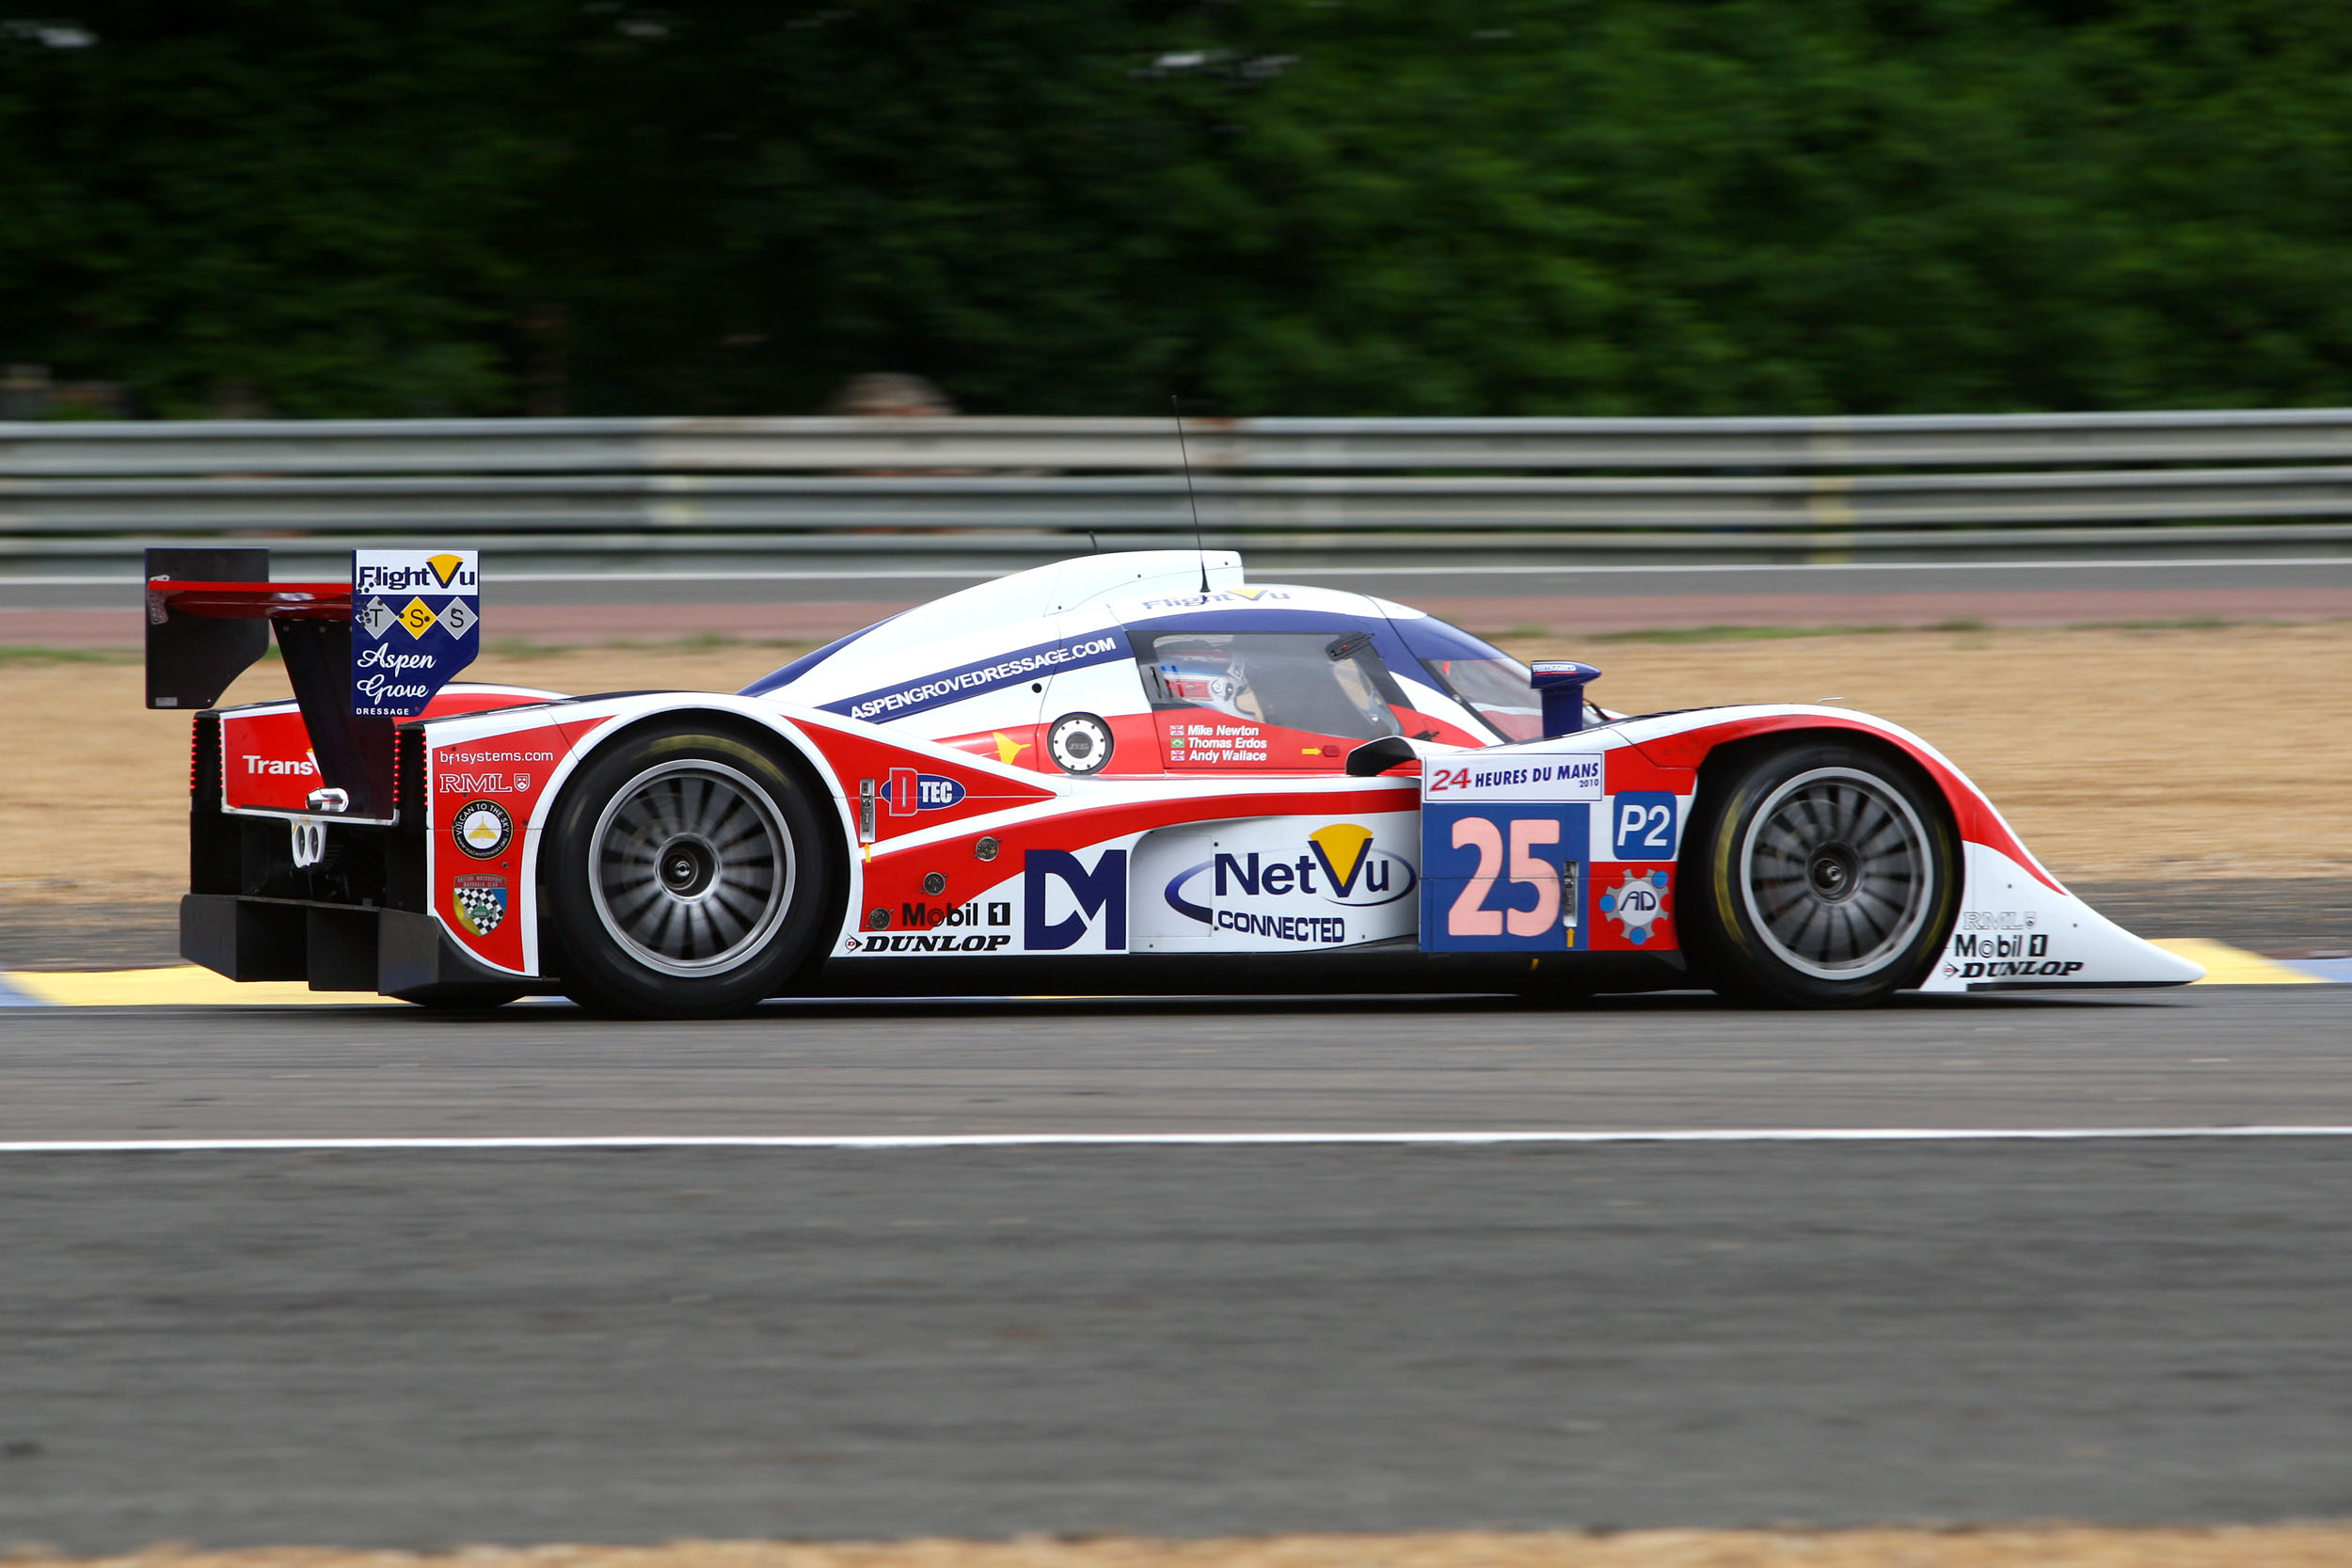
pixel 633 492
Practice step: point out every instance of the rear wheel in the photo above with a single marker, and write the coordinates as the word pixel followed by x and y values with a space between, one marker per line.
pixel 685 877
pixel 1827 875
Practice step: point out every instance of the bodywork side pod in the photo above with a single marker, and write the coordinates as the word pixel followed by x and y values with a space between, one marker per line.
pixel 2018 927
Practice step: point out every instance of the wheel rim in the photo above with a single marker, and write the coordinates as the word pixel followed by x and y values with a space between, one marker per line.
pixel 691 869
pixel 1837 872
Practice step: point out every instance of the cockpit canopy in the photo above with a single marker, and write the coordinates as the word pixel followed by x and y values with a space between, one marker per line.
pixel 1127 654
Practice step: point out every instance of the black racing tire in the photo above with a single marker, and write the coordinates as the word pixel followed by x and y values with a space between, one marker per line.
pixel 685 875
pixel 1817 874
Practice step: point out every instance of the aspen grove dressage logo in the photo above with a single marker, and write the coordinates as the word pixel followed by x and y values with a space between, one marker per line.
pixel 416 621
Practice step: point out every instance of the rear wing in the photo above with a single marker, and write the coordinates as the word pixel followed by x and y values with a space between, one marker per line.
pixel 210 613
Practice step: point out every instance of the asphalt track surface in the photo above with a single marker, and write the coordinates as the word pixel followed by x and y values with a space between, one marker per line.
pixel 426 1345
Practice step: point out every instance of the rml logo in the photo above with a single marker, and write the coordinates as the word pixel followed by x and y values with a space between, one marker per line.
pixel 1102 892
pixel 482 783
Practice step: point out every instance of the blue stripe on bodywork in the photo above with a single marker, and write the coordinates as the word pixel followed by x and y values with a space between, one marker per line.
pixel 778 679
pixel 921 693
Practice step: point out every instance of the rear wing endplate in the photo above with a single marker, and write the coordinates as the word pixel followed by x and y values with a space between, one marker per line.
pixel 210 614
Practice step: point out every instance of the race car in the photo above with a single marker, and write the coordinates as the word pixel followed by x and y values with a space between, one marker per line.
pixel 1133 772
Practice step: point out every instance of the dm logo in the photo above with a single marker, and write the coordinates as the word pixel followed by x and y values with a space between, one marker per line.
pixel 1101 893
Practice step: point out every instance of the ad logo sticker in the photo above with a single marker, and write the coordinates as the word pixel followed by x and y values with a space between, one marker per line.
pixel 416 621
pixel 1637 904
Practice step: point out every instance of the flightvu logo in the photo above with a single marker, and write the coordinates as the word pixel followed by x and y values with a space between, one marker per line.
pixel 416 618
pixel 407 571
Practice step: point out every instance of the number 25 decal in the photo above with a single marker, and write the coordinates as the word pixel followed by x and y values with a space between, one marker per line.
pixel 1643 828
pixel 1469 916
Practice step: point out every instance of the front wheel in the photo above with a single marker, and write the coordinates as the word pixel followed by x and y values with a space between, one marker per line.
pixel 685 877
pixel 1828 875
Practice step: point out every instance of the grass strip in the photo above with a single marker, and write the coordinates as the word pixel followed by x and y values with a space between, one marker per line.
pixel 701 643
pixel 23 653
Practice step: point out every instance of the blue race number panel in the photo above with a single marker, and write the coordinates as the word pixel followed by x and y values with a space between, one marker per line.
pixel 1504 849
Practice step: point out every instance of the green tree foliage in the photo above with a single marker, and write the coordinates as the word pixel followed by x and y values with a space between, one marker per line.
pixel 1272 206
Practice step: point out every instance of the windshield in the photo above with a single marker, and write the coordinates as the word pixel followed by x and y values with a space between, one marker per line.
pixel 1483 678
pixel 1496 689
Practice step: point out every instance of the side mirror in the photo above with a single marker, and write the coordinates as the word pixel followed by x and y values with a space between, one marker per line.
pixel 1561 684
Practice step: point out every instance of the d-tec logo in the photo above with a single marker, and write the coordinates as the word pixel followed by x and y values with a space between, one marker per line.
pixel 910 792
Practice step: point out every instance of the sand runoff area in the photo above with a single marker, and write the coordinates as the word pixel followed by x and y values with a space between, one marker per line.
pixel 2180 752
pixel 2055 1546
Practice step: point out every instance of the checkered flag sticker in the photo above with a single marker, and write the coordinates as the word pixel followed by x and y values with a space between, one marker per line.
pixel 481 903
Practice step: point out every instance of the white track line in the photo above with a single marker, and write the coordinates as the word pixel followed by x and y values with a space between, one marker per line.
pixel 1122 1140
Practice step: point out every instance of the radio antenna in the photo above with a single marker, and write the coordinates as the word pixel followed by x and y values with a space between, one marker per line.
pixel 1201 549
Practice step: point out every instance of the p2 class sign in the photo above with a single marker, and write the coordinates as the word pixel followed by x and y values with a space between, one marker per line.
pixel 416 621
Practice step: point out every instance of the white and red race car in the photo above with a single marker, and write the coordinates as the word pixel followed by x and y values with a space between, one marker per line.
pixel 1129 772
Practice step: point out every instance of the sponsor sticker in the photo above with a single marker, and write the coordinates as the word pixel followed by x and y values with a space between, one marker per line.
pixel 1094 899
pixel 479 903
pixel 984 676
pixel 416 618
pixel 930 942
pixel 909 792
pixel 1642 826
pixel 1258 893
pixel 1220 595
pixel 2012 955
pixel 1517 777
pixel 925 917
pixel 485 784
pixel 481 828
pixel 1637 904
